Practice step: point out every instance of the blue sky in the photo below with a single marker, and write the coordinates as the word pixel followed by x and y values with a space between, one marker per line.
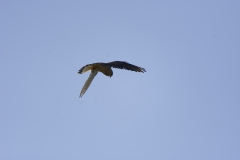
pixel 186 106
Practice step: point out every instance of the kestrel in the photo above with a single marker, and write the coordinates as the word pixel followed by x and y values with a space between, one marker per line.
pixel 105 68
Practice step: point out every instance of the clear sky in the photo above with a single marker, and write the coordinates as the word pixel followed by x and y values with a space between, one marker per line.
pixel 185 107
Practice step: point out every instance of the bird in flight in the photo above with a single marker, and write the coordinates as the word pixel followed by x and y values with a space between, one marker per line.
pixel 105 68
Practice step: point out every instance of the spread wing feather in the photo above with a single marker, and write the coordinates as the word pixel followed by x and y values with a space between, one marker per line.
pixel 88 82
pixel 125 65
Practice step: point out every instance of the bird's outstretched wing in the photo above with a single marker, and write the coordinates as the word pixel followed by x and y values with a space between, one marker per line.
pixel 88 82
pixel 125 65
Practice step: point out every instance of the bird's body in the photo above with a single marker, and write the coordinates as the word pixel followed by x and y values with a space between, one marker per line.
pixel 101 67
pixel 105 68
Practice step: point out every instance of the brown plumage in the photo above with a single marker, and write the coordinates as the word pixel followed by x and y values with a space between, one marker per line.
pixel 105 68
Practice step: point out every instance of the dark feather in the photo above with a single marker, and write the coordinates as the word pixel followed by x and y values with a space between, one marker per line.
pixel 125 65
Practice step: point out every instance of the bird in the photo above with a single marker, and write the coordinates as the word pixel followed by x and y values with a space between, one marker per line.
pixel 105 68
